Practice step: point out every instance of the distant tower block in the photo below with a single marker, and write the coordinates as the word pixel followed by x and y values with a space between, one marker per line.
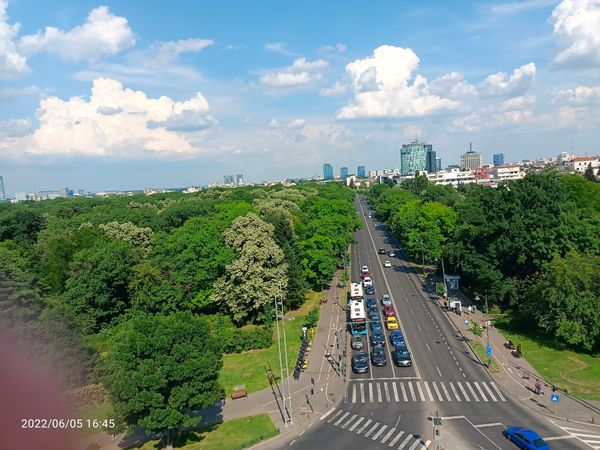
pixel 2 191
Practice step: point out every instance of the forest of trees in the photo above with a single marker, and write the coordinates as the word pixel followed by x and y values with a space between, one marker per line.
pixel 117 287
pixel 532 245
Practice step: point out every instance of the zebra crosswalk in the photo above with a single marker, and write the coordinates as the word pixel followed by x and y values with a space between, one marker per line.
pixel 374 431
pixel 588 437
pixel 423 391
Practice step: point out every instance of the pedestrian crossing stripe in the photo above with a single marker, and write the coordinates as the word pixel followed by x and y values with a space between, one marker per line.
pixel 424 391
pixel 587 436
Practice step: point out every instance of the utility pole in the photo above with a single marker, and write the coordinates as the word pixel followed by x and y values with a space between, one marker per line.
pixel 287 373
pixel 283 397
pixel 487 327
pixel 423 260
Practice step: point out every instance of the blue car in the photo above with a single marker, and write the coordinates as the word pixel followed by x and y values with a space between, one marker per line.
pixel 371 302
pixel 376 326
pixel 525 439
pixel 370 290
pixel 396 338
pixel 373 314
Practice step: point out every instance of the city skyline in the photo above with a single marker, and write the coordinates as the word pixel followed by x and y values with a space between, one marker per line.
pixel 100 96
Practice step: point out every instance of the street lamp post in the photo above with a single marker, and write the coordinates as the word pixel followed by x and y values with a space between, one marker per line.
pixel 487 327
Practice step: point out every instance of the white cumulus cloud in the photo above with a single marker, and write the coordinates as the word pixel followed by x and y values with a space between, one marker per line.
pixel 13 64
pixel 501 83
pixel 384 86
pixel 115 121
pixel 302 72
pixel 580 95
pixel 103 33
pixel 577 27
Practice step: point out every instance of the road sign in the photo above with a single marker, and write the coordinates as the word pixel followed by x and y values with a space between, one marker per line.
pixel 488 351
pixel 555 398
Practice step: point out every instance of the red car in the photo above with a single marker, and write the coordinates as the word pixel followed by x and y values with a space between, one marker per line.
pixel 365 275
pixel 388 311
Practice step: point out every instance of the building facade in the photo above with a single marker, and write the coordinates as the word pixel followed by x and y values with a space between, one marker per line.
pixel 471 160
pixel 580 164
pixel 438 164
pixel 2 191
pixel 498 159
pixel 431 161
pixel 361 172
pixel 239 179
pixel 327 171
pixel 413 157
pixel 343 172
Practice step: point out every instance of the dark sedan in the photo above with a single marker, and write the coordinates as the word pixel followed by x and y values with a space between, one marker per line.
pixel 401 356
pixel 377 338
pixel 378 357
pixel 360 362
pixel 373 313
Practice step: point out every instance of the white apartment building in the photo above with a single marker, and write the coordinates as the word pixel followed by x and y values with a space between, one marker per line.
pixel 580 164
pixel 452 176
pixel 498 174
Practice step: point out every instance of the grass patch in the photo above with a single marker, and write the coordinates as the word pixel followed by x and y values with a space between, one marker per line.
pixel 571 371
pixel 312 301
pixel 99 411
pixel 479 348
pixel 233 434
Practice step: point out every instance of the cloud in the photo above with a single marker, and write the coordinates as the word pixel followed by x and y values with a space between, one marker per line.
pixel 452 85
pixel 167 52
pixel 412 132
pixel 382 87
pixel 296 124
pixel 337 89
pixel 116 122
pixel 8 94
pixel 580 95
pixel 14 128
pixel 302 72
pixel 337 48
pixel 517 7
pixel 103 33
pixel 577 28
pixel 292 131
pixel 501 83
pixel 13 64
pixel 278 47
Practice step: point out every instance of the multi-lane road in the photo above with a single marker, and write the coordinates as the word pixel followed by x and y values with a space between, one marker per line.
pixel 391 407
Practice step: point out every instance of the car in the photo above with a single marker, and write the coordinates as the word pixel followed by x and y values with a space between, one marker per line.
pixel 401 356
pixel 371 302
pixel 360 362
pixel 396 338
pixel 381 251
pixel 357 342
pixel 378 357
pixel 369 215
pixel 373 313
pixel 376 326
pixel 367 281
pixel 387 264
pixel 392 253
pixel 388 311
pixel 392 323
pixel 377 338
pixel 386 300
pixel 364 275
pixel 370 290
pixel 364 269
pixel 525 439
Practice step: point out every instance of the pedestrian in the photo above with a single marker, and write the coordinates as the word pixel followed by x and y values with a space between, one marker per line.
pixel 538 386
pixel 470 309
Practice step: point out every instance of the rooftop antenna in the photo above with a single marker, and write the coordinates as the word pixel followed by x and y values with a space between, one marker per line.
pixel 470 147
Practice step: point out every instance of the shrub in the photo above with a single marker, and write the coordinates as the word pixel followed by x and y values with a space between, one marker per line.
pixel 312 318
pixel 251 337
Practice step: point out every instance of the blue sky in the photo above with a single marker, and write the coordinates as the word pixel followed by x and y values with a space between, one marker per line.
pixel 126 95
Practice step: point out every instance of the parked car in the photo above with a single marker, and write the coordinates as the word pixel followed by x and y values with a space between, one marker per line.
pixel 401 356
pixel 378 357
pixel 387 264
pixel 357 342
pixel 376 326
pixel 377 338
pixel 360 362
pixel 525 439
pixel 364 269
pixel 381 251
pixel 367 281
pixel 388 310
pixel 370 290
pixel 386 300
pixel 392 323
pixel 373 313
pixel 392 253
pixel 364 275
pixel 396 338
pixel 371 302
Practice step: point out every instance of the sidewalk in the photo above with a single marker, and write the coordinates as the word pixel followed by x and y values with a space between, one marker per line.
pixel 516 376
pixel 320 387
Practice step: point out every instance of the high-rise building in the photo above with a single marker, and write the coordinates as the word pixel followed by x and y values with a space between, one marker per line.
pixel 414 157
pixel 327 171
pixel 343 172
pixel 239 179
pixel 228 180
pixel 438 164
pixel 361 172
pixel 498 159
pixel 430 161
pixel 2 191
pixel 471 160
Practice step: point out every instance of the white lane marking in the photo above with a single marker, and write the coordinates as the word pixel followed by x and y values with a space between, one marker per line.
pixel 472 391
pixel 349 421
pixel 427 346
pixel 420 389
pixel 417 442
pixel 332 418
pixel 405 441
pixel 403 391
pixel 462 389
pixel 498 391
pixel 368 433
pixel 387 436
pixel 425 445
pixel 445 391
pixel 396 439
pixel 568 436
pixel 438 369
pixel 371 392
pixel 360 419
pixel 454 391
pixel 419 327
pixel 386 389
pixel 342 417
pixel 327 413
pixel 437 391
pixel 486 425
pixel 489 391
pixel 354 393
pixel 412 391
pixel 365 425
pixel 379 399
pixel 362 393
pixel 381 430
pixel 428 391
pixel 395 389
pixel 480 391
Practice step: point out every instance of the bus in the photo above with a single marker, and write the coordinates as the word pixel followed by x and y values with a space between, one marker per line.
pixel 356 291
pixel 358 317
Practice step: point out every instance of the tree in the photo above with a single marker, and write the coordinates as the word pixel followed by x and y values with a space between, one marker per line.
pixel 21 225
pixel 589 173
pixel 257 277
pixel 416 185
pixel 139 237
pixel 161 369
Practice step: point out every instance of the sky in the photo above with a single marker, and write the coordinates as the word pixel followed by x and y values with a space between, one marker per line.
pixel 128 95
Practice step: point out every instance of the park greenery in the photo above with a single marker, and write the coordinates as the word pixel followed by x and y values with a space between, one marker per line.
pixel 145 293
pixel 531 245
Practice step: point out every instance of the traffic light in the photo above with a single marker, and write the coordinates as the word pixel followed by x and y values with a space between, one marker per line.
pixel 437 432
